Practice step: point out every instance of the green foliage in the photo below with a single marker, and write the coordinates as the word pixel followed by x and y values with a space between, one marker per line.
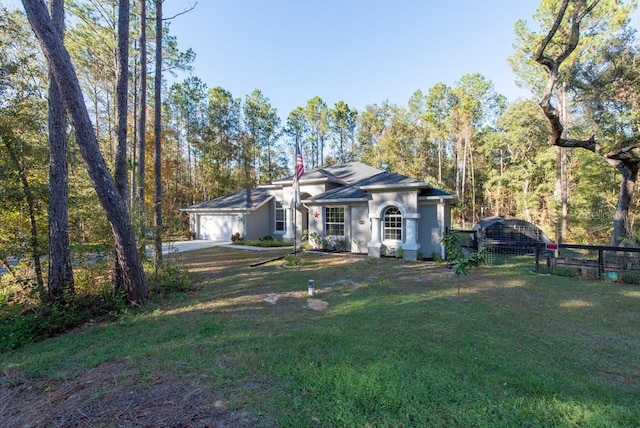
pixel 457 258
pixel 330 243
pixel 384 250
pixel 262 124
pixel 630 277
pixel 24 319
pixel 268 243
pixel 313 238
pixel 168 278
pixel 22 324
pixel 453 250
pixel 293 260
pixel 565 271
pixel 339 244
pixel 342 122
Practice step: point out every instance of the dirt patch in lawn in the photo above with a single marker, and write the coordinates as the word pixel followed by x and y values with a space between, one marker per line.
pixel 114 395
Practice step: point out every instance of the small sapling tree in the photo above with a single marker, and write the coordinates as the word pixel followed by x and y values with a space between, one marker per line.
pixel 458 259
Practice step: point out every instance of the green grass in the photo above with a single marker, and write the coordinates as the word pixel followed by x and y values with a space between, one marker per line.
pixel 396 345
pixel 268 243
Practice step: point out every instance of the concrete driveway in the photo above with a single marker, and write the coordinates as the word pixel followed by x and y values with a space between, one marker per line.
pixel 181 246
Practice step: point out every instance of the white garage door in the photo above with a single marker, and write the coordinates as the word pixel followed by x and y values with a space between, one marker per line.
pixel 216 227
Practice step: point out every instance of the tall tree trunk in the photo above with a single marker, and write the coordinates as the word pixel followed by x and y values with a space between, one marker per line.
pixel 440 151
pixel 564 171
pixel 459 159
pixel 142 118
pixel 501 208
pixel 60 279
pixel 30 200
pixel 122 94
pixel 473 186
pixel 463 184
pixel 627 186
pixel 564 194
pixel 134 143
pixel 65 76
pixel 158 138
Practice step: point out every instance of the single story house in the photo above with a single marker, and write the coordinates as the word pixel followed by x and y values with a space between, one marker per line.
pixel 352 205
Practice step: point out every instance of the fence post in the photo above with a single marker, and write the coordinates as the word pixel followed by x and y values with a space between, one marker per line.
pixel 538 257
pixel 600 263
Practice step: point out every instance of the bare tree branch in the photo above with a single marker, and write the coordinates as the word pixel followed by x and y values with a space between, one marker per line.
pixel 181 13
pixel 553 66
pixel 538 57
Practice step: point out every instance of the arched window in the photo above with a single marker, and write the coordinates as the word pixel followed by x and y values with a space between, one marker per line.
pixel 392 226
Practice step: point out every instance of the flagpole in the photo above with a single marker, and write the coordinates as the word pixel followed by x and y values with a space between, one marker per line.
pixel 297 175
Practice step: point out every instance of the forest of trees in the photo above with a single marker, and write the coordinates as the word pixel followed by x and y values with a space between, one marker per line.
pixel 565 159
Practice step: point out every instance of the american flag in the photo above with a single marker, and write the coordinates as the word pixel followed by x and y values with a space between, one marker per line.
pixel 297 175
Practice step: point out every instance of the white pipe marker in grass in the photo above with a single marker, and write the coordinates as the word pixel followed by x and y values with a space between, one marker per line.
pixel 311 287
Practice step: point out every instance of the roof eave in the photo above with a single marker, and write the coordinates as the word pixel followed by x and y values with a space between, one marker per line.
pixel 227 209
pixel 435 198
pixel 306 181
pixel 334 201
pixel 409 186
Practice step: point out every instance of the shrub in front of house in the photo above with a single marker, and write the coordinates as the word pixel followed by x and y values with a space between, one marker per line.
pixel 263 243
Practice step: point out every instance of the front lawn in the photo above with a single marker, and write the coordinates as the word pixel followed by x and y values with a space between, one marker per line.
pixel 382 343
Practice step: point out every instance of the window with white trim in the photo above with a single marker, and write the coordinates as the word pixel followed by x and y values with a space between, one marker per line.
pixel 392 225
pixel 334 221
pixel 280 217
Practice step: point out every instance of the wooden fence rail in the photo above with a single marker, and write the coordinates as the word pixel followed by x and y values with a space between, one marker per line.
pixel 553 257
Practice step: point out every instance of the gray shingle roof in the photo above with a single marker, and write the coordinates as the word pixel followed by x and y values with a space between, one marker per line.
pixel 357 190
pixel 355 179
pixel 243 200
pixel 345 173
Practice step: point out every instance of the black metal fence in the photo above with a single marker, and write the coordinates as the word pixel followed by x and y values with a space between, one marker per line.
pixel 500 248
pixel 589 261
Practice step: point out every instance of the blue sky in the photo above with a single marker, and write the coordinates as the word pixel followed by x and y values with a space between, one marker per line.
pixel 360 52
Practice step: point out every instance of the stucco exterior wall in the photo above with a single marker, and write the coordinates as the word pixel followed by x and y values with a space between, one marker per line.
pixel 360 228
pixel 433 225
pixel 259 223
pixel 430 229
pixel 308 189
pixel 407 202
pixel 316 220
